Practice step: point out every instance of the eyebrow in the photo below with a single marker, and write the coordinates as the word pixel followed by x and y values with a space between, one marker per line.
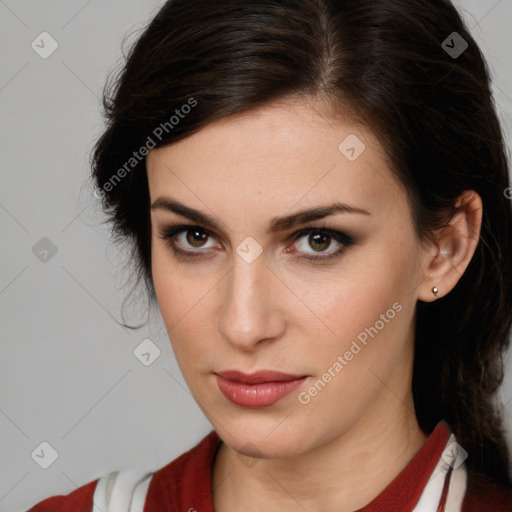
pixel 277 223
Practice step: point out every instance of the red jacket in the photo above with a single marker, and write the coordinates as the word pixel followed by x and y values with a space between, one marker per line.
pixel 185 484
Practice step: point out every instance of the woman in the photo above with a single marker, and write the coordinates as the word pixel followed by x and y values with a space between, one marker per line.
pixel 315 191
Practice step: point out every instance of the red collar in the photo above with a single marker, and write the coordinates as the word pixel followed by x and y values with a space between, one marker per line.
pixel 405 490
pixel 186 483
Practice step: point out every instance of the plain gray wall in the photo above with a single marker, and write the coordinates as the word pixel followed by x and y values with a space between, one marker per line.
pixel 68 373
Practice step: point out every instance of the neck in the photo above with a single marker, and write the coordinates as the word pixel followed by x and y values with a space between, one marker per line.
pixel 342 475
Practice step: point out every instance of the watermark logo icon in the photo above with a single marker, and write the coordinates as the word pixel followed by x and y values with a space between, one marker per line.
pixel 455 455
pixel 250 461
pixel 454 45
pixel 352 147
pixel 147 352
pixel 44 250
pixel 44 45
pixel 249 249
pixel 44 455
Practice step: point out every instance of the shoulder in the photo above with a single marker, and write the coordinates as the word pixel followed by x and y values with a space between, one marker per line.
pixel 484 495
pixel 80 500
pixel 173 484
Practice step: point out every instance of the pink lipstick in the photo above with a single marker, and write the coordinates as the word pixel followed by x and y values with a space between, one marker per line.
pixel 259 389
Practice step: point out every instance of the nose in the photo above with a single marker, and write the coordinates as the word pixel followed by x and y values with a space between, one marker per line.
pixel 251 313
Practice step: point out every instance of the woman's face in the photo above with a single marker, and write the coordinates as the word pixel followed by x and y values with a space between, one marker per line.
pixel 244 295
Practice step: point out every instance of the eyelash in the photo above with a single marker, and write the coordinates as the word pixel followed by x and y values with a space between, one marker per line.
pixel 169 234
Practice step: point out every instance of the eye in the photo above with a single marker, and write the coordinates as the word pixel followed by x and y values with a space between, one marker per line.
pixel 181 238
pixel 320 239
pixel 186 240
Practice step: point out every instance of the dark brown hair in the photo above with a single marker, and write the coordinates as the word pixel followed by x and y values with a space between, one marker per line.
pixel 384 60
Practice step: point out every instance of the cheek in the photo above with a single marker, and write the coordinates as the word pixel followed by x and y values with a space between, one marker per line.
pixel 183 298
pixel 176 295
pixel 353 315
pixel 350 302
pixel 366 349
pixel 348 299
pixel 176 290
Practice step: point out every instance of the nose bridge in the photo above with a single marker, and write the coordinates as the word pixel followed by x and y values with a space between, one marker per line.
pixel 246 313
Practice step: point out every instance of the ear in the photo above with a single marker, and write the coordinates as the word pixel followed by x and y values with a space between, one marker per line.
pixel 447 258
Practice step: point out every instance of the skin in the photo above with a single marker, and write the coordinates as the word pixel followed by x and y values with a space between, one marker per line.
pixel 281 312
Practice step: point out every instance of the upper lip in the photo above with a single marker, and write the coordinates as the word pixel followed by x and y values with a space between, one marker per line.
pixel 257 377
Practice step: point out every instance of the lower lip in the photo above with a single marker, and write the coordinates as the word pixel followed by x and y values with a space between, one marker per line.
pixel 256 396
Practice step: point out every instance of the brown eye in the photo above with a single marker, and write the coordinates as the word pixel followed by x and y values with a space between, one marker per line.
pixel 195 237
pixel 313 244
pixel 187 240
pixel 319 241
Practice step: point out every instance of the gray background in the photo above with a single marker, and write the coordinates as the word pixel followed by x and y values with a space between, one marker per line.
pixel 68 375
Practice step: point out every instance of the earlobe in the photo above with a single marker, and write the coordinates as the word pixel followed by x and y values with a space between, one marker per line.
pixel 454 248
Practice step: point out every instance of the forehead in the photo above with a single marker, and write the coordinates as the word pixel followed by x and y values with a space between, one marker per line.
pixel 292 154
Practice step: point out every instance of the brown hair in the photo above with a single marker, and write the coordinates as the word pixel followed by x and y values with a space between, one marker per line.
pixel 433 113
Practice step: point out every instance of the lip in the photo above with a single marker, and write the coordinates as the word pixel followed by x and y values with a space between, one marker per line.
pixel 259 389
pixel 257 377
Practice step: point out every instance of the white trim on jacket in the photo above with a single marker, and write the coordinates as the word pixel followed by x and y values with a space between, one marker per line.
pixel 430 498
pixel 122 491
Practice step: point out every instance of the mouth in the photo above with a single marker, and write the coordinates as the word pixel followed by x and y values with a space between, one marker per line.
pixel 259 389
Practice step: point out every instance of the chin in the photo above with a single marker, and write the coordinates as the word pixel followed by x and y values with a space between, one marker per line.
pixel 262 440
